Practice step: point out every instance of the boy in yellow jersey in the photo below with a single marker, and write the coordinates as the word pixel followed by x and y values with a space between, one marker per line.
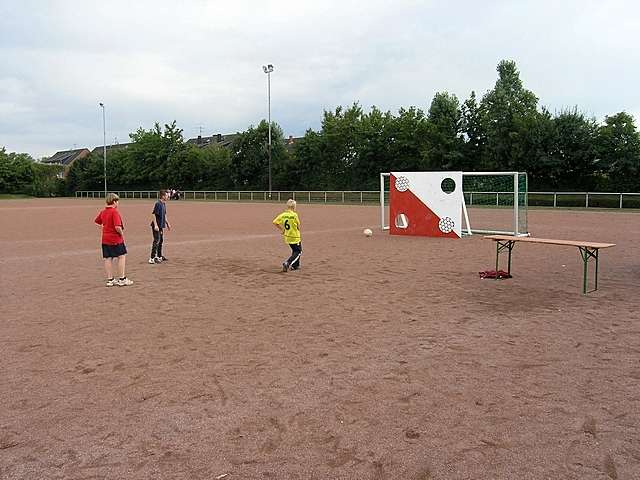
pixel 288 224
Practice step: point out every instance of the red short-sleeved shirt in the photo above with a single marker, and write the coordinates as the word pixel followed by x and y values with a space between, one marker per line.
pixel 109 218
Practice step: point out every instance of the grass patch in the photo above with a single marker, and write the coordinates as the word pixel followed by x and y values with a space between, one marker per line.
pixel 13 196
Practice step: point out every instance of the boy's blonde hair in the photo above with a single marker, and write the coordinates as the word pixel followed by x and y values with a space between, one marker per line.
pixel 112 198
pixel 291 203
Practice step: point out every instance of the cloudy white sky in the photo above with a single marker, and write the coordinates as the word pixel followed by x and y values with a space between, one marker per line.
pixel 199 62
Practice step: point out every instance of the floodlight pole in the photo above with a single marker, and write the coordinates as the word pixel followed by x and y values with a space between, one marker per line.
pixel 268 69
pixel 104 148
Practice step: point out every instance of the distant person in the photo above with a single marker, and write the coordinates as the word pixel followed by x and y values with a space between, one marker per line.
pixel 113 247
pixel 288 224
pixel 159 222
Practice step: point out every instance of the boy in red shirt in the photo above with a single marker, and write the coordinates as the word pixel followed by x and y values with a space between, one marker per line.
pixel 113 247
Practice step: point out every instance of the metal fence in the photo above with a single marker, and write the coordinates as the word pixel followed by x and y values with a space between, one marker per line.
pixel 584 199
pixel 499 199
pixel 362 197
pixel 557 199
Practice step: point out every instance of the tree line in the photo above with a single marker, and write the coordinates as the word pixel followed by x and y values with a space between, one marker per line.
pixel 504 130
pixel 20 174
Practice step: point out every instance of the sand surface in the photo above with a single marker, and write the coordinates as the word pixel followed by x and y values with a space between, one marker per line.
pixel 382 358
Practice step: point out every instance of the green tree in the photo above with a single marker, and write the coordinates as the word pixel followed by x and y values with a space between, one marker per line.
pixel 375 139
pixel 47 180
pixel 619 152
pixel 6 172
pixel 16 172
pixel 475 135
pixel 339 148
pixel 537 143
pixel 444 133
pixel 218 168
pixel 302 171
pixel 148 157
pixel 188 169
pixel 86 174
pixel 250 157
pixel 117 168
pixel 353 147
pixel 505 109
pixel 196 168
pixel 574 152
pixel 408 141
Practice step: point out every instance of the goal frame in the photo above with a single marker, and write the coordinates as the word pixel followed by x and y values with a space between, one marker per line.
pixel 469 230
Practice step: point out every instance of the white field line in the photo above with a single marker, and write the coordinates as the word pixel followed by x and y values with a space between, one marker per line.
pixel 211 239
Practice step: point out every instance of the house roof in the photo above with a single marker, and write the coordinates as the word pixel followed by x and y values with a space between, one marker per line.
pixel 226 140
pixel 216 139
pixel 117 146
pixel 290 142
pixel 67 157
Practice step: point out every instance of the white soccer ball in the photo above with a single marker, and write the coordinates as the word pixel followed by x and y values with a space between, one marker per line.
pixel 367 232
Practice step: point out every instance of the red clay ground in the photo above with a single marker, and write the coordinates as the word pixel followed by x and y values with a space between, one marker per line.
pixel 383 358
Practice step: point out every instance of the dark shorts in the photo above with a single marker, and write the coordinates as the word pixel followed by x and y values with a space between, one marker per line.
pixel 113 251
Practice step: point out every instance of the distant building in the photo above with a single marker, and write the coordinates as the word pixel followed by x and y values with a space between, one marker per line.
pixel 227 140
pixel 97 151
pixel 66 158
pixel 291 142
pixel 217 139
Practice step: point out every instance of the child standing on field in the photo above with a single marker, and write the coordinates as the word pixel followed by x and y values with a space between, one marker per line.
pixel 288 224
pixel 159 222
pixel 113 247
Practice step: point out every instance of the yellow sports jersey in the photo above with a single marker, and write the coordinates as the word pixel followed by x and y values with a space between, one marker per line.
pixel 290 223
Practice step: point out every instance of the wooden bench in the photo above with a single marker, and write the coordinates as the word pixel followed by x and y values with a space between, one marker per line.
pixel 588 250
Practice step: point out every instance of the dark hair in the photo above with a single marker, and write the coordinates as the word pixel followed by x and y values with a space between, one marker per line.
pixel 162 193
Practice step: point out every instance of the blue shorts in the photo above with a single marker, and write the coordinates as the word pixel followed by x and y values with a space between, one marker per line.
pixel 113 251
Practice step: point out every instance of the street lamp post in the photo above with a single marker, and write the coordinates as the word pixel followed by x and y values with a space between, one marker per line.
pixel 104 149
pixel 268 69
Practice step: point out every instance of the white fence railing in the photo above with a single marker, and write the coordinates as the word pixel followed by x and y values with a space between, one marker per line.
pixel 252 196
pixel 534 199
pixel 558 199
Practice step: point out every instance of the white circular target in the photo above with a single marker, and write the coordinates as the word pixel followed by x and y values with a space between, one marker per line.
pixel 446 225
pixel 402 184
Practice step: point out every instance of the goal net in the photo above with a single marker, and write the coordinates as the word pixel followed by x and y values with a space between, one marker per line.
pixel 494 202
pixel 385 178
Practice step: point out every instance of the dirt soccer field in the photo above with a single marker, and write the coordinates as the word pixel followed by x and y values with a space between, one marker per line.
pixel 382 358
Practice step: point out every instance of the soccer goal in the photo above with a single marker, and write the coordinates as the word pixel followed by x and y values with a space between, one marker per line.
pixel 494 202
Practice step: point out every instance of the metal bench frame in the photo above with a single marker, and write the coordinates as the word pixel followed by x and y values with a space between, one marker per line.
pixel 588 251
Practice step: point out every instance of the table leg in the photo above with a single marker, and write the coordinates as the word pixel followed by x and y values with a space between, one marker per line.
pixel 500 246
pixel 596 282
pixel 585 270
pixel 586 253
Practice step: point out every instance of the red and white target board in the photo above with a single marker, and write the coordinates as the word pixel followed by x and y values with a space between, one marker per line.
pixel 426 204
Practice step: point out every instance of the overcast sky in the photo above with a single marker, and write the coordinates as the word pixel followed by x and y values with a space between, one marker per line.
pixel 200 62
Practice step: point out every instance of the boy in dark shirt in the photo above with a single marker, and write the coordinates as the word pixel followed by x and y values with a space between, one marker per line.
pixel 159 222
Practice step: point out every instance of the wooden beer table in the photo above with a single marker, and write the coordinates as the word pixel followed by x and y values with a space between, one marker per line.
pixel 588 251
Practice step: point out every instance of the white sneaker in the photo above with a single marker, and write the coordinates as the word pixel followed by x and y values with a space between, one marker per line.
pixel 124 282
pixel 157 260
pixel 112 282
pixel 152 261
